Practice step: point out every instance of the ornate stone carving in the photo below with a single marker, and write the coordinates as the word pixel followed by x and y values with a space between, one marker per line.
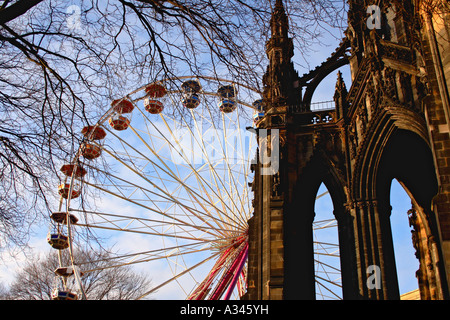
pixel 390 84
pixel 353 140
pixel 396 52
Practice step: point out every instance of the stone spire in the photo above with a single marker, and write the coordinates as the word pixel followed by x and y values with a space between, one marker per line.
pixel 340 96
pixel 279 24
pixel 280 80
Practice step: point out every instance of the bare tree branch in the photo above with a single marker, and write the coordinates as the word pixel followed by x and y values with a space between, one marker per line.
pixel 15 10
pixel 63 62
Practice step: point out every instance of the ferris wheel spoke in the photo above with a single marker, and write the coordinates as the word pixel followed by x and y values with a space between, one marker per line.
pixel 201 181
pixel 326 258
pixel 179 275
pixel 326 245
pixel 147 256
pixel 231 176
pixel 227 163
pixel 246 169
pixel 323 224
pixel 164 196
pixel 334 283
pixel 203 147
pixel 145 226
pixel 333 254
pixel 323 265
pixel 333 295
pixel 199 199
pixel 171 218
pixel 321 281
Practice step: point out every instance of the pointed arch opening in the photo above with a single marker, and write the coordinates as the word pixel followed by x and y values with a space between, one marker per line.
pixel 327 265
pixel 406 185
pixel 406 261
pixel 318 227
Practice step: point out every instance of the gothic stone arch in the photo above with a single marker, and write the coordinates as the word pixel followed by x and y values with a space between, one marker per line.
pixel 298 236
pixel 396 147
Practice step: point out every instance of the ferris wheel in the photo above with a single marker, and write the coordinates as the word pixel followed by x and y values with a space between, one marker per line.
pixel 165 173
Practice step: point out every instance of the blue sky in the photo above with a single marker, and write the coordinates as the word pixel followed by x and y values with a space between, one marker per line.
pixel 406 262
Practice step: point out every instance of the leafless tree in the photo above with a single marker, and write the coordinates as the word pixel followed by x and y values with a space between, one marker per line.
pixel 62 62
pixel 37 279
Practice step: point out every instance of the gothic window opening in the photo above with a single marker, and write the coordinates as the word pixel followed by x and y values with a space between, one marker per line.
pixel 407 159
pixel 406 261
pixel 327 267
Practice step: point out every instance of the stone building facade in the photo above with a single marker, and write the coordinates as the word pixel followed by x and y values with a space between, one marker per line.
pixel 393 122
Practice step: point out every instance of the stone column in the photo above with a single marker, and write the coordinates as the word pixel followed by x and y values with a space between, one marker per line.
pixel 377 277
